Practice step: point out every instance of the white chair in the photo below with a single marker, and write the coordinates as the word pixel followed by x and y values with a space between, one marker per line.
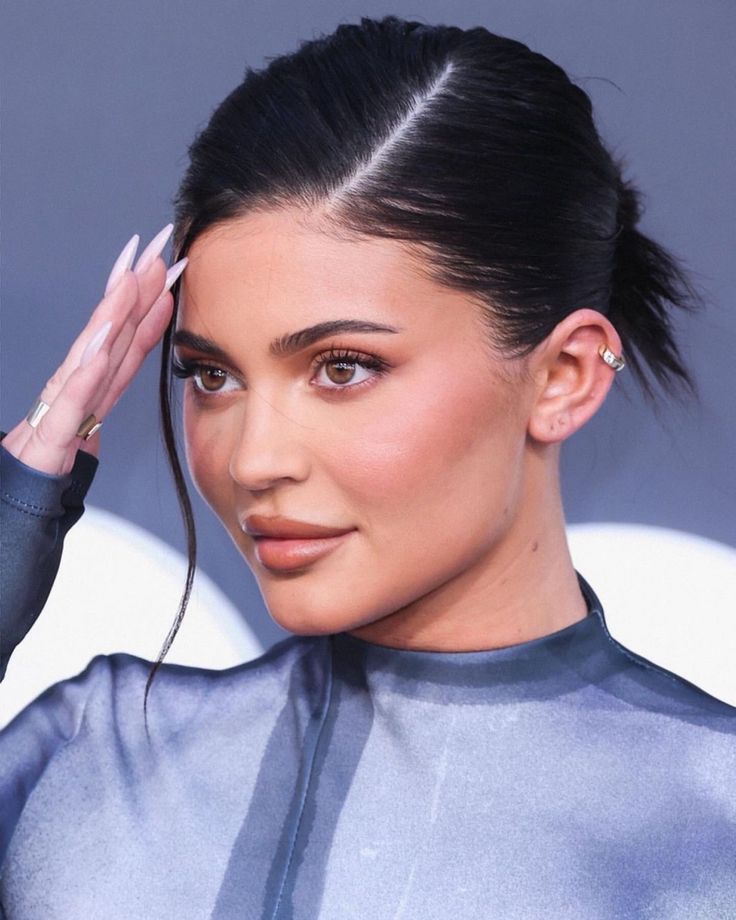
pixel 668 595
pixel 118 590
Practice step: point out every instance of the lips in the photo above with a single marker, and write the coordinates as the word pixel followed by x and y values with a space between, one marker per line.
pixel 285 555
pixel 283 528
pixel 284 544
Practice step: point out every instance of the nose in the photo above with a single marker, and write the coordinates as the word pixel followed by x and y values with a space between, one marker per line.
pixel 269 447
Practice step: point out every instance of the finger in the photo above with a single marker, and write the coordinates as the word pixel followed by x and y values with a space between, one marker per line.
pixel 147 336
pixel 15 440
pixel 129 298
pixel 150 286
pixel 125 305
pixel 115 307
pixel 31 444
pixel 92 444
pixel 154 249
pixel 142 337
pixel 129 330
pixel 52 444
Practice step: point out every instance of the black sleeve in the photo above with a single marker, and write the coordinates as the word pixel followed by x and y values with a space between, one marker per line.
pixel 36 512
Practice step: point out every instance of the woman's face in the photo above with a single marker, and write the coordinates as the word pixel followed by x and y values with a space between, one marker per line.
pixel 419 450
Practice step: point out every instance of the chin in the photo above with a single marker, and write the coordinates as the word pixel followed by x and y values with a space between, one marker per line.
pixel 306 624
pixel 315 612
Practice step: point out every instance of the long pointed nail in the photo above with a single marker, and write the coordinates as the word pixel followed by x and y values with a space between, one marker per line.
pixel 153 250
pixel 123 262
pixel 173 273
pixel 94 345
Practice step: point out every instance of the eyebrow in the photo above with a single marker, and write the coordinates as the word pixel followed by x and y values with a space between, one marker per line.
pixel 287 344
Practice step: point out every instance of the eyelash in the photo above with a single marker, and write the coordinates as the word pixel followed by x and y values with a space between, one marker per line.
pixel 184 369
pixel 336 355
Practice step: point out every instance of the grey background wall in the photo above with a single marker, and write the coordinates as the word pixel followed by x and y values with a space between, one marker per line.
pixel 99 103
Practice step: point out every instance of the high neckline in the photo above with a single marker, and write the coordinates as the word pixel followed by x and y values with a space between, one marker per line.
pixel 593 621
pixel 562 658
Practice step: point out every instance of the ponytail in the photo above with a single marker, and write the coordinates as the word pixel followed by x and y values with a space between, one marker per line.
pixel 647 280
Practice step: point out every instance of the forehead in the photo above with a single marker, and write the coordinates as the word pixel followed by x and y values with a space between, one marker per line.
pixel 289 245
pixel 258 279
pixel 277 271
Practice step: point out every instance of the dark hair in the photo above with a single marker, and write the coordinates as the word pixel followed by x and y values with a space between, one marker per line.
pixel 468 145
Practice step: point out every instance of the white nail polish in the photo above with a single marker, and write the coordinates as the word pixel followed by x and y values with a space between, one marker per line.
pixel 173 273
pixel 153 250
pixel 94 345
pixel 123 262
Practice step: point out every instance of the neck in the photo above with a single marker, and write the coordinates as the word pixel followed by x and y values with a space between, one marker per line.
pixel 522 588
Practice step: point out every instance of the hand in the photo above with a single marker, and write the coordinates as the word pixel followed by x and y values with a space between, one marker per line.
pixel 124 327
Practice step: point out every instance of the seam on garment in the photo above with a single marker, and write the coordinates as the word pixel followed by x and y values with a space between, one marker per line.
pixel 326 705
pixel 597 608
pixel 644 662
pixel 26 507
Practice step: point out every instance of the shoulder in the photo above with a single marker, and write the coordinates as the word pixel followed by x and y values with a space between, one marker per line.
pixel 267 678
pixel 661 690
pixel 107 696
pixel 83 751
pixel 122 677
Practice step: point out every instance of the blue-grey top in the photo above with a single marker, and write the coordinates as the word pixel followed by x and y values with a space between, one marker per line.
pixel 564 777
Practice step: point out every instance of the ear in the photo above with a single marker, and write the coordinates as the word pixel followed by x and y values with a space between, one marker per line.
pixel 572 379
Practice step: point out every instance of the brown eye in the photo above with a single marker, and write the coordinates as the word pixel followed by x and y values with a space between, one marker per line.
pixel 211 378
pixel 340 371
pixel 207 379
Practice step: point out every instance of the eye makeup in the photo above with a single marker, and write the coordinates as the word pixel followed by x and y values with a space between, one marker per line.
pixel 185 368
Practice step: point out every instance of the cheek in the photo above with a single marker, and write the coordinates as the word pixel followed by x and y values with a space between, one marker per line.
pixel 437 452
pixel 206 446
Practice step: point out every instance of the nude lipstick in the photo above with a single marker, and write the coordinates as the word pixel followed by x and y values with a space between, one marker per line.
pixel 285 544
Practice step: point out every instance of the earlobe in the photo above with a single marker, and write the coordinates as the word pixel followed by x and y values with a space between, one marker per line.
pixel 573 374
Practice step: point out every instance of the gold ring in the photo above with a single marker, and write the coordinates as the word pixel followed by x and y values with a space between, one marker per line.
pixel 88 427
